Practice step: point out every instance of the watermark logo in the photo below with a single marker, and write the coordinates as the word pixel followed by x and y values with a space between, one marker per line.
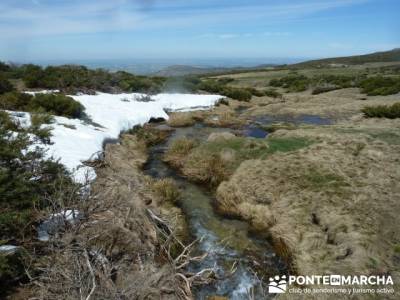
pixel 331 284
pixel 277 284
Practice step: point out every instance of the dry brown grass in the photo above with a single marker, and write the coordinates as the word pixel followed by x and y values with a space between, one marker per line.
pixel 166 190
pixel 178 150
pixel 330 208
pixel 205 167
pixel 181 119
pixel 118 250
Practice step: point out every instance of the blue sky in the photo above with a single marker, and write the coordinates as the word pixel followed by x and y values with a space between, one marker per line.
pixel 103 29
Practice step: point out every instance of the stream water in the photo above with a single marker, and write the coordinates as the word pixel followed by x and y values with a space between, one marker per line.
pixel 228 242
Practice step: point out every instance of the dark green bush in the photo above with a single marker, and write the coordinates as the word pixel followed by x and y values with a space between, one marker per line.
pixel 216 87
pixel 27 182
pixel 4 67
pixel 181 84
pixel 56 104
pixel 237 94
pixel 255 92
pixel 382 111
pixel 225 80
pixel 5 85
pixel 338 81
pixel 211 86
pixel 222 101
pixel 292 82
pixel 73 78
pixel 379 85
pixel 272 93
pixel 15 101
pixel 323 89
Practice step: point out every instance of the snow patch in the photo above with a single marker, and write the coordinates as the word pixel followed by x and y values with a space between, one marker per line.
pixel 74 140
pixel 8 249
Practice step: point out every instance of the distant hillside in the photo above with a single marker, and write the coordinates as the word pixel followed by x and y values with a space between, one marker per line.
pixel 182 70
pixel 385 56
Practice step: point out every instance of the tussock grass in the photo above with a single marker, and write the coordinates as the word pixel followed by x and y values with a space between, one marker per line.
pixel 166 190
pixel 215 160
pixel 326 207
pixel 177 151
pixel 181 146
pixel 181 119
pixel 148 134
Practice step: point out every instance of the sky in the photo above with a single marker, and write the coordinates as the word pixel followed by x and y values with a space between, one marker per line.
pixel 32 30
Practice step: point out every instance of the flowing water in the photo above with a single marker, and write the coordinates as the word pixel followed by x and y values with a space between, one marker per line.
pixel 228 243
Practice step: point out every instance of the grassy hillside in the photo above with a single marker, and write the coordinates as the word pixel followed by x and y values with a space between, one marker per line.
pixel 385 56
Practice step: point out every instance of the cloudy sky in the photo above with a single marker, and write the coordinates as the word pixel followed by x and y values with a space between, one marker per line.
pixel 123 29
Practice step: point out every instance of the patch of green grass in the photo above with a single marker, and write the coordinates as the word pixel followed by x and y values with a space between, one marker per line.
pixel 248 148
pixel 287 144
pixel 319 180
pixel 388 137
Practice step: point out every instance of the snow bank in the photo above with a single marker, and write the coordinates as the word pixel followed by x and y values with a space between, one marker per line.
pixel 75 141
pixel 42 92
pixel 8 249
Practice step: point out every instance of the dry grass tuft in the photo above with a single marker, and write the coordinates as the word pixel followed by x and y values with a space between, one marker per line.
pixel 178 150
pixel 206 168
pixel 166 190
pixel 181 119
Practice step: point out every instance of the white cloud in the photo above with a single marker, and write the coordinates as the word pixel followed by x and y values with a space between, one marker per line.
pixel 74 17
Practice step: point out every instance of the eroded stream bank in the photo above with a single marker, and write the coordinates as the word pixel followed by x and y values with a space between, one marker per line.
pixel 241 259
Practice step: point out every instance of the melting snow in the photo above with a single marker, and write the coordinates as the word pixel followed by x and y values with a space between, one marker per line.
pixel 75 141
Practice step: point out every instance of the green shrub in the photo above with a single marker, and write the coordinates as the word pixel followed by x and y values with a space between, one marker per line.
pixel 237 94
pixel 211 86
pixel 5 85
pixel 338 81
pixel 222 101
pixel 4 67
pixel 182 84
pixel 255 92
pixel 56 104
pixel 73 78
pixel 382 111
pixel 15 101
pixel 272 93
pixel 27 183
pixel 323 89
pixel 225 80
pixel 292 82
pixel 380 85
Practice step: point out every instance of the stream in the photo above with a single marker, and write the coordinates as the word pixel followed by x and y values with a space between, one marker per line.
pixel 228 242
